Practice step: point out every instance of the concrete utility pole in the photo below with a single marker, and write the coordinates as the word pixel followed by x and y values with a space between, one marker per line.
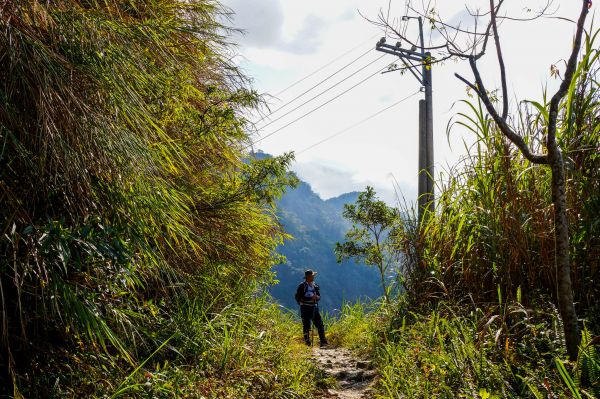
pixel 426 172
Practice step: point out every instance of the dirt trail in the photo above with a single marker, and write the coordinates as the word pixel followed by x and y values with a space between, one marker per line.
pixel 354 377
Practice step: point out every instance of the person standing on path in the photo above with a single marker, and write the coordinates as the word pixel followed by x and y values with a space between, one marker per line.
pixel 308 296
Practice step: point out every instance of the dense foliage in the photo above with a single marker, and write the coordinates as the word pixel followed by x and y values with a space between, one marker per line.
pixel 465 351
pixel 491 236
pixel 130 221
pixel 478 317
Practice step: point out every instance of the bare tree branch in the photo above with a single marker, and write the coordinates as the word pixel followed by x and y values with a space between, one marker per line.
pixel 485 42
pixel 479 88
pixel 477 49
pixel 420 65
pixel 382 23
pixel 480 38
pixel 541 13
pixel 444 24
pixel 493 11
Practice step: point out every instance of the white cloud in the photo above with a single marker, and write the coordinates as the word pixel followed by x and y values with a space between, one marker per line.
pixel 261 21
pixel 298 37
pixel 308 38
pixel 331 181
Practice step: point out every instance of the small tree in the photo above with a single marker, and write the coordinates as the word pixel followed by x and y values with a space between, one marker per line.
pixel 371 238
pixel 549 153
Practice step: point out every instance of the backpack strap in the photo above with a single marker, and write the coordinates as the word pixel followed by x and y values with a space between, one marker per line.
pixel 300 292
pixel 304 290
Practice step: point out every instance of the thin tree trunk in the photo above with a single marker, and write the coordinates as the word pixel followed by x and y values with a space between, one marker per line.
pixel 555 160
pixel 563 262
pixel 382 269
pixel 383 286
pixel 561 225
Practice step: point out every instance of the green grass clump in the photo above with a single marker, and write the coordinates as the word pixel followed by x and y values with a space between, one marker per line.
pixel 452 353
pixel 354 327
pixel 129 200
pixel 249 350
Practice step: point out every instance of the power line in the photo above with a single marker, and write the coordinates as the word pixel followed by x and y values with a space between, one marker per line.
pixel 323 92
pixel 316 85
pixel 358 123
pixel 320 106
pixel 326 65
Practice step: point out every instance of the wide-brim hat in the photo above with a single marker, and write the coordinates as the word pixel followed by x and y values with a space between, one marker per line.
pixel 309 272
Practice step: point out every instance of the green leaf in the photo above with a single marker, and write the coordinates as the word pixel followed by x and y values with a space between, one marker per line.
pixel 566 377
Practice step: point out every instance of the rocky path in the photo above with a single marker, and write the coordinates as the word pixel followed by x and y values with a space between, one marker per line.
pixel 354 377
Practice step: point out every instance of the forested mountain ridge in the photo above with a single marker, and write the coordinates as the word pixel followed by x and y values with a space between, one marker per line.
pixel 316 225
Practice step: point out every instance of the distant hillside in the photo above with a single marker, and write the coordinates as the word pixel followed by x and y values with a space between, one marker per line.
pixel 316 226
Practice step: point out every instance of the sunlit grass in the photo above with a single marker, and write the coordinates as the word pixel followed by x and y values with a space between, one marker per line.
pixel 126 196
pixel 476 318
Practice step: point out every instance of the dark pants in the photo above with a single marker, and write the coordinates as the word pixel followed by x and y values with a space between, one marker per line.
pixel 308 313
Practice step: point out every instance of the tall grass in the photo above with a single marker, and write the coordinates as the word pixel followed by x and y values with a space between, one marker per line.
pixel 477 318
pixel 354 325
pixel 250 351
pixel 491 235
pixel 125 194
pixel 466 352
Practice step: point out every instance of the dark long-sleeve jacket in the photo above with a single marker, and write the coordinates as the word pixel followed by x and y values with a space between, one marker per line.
pixel 301 297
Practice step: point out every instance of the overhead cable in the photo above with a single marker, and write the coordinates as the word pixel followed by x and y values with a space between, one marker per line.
pixel 323 92
pixel 326 65
pixel 315 86
pixel 359 123
pixel 320 106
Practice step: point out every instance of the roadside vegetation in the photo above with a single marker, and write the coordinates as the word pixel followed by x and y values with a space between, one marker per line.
pixel 135 234
pixel 476 315
pixel 464 351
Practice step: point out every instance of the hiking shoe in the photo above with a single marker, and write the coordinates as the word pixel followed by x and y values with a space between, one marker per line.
pixel 324 344
pixel 308 343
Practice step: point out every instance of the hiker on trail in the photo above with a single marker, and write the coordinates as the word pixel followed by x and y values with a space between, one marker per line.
pixel 308 296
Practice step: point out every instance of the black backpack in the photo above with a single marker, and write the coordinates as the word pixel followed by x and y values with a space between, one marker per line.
pixel 301 290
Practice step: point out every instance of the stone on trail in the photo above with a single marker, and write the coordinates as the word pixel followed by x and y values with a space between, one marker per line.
pixel 354 377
